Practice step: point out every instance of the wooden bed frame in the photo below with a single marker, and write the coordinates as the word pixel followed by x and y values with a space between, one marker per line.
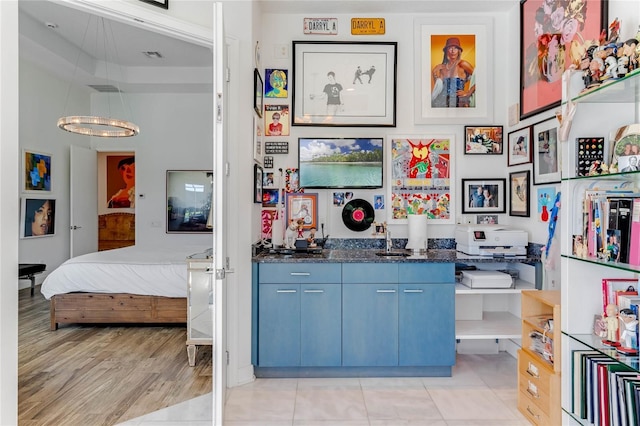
pixel 118 308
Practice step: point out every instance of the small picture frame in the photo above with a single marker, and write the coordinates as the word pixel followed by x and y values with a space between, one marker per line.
pixel 519 193
pixel 276 83
pixel 302 206
pixel 258 143
pixel 270 197
pixel 589 150
pixel 258 90
pixel 483 195
pixel 486 219
pixel 483 140
pixel 626 143
pixel 37 217
pixel 36 173
pixel 519 147
pixel 258 182
pixel 546 151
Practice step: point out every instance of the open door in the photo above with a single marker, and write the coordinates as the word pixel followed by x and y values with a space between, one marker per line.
pixel 83 201
pixel 219 203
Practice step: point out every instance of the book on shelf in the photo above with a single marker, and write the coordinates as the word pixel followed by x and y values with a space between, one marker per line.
pixel 619 400
pixel 634 237
pixel 578 366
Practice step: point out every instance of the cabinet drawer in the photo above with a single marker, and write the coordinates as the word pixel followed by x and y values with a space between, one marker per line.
pixel 528 389
pixel 538 372
pixel 300 273
pixel 532 412
pixel 427 273
pixel 366 273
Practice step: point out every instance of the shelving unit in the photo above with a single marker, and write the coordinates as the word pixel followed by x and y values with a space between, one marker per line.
pixel 613 105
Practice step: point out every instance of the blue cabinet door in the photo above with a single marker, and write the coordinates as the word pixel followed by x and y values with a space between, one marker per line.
pixel 427 324
pixel 279 325
pixel 369 325
pixel 320 325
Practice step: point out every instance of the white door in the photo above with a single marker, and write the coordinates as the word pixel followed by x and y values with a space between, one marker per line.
pixel 83 200
pixel 219 202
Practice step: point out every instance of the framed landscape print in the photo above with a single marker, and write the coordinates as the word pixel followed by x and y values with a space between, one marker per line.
pixel 551 34
pixel 189 196
pixel 519 147
pixel 483 140
pixel 36 172
pixel 37 217
pixel 483 196
pixel 546 163
pixel 519 193
pixel 439 43
pixel 342 83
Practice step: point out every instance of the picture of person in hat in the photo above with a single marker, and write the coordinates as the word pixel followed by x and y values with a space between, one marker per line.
pixel 453 82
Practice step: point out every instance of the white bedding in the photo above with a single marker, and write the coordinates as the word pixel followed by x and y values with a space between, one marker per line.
pixel 133 270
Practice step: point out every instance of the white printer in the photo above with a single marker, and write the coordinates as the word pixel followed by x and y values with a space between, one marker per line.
pixel 491 240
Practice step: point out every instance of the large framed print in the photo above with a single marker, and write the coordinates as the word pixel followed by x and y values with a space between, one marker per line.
pixel 453 69
pixel 421 173
pixel 552 38
pixel 483 196
pixel 37 217
pixel 36 173
pixel 304 207
pixel 346 84
pixel 519 149
pixel 189 200
pixel 519 193
pixel 546 164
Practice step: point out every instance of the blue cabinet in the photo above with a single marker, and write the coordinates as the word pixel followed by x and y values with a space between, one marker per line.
pixel 320 325
pixel 279 327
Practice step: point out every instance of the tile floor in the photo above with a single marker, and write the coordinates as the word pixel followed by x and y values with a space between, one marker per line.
pixel 481 392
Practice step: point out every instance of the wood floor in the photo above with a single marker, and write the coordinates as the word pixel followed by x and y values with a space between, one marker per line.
pixel 101 375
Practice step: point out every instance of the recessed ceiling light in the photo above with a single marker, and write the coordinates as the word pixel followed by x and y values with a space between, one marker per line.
pixel 51 25
pixel 153 55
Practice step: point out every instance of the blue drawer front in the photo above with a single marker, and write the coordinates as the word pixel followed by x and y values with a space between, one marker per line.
pixel 427 273
pixel 300 273
pixel 365 273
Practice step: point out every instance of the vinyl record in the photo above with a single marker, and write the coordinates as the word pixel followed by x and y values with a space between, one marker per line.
pixel 358 215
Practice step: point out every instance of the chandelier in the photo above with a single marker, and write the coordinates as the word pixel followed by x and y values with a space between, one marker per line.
pixel 94 125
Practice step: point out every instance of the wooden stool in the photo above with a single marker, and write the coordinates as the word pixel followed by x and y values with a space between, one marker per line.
pixel 29 271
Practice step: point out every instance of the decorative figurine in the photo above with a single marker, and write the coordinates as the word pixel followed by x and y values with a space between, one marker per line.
pixel 312 237
pixel 611 319
pixel 628 337
pixel 290 234
pixel 300 227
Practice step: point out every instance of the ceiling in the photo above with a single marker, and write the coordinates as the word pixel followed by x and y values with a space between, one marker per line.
pixel 71 44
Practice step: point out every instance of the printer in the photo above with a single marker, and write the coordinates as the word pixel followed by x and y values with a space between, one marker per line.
pixel 491 240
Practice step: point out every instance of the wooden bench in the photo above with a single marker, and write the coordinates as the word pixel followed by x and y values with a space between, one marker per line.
pixel 29 271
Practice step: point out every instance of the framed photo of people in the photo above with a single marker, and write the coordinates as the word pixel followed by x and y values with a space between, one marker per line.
pixel 519 193
pixel 189 200
pixel 546 151
pixel 453 69
pixel 304 207
pixel 483 140
pixel 421 174
pixel 346 84
pixel 37 217
pixel 483 196
pixel 519 147
pixel 550 33
pixel 36 173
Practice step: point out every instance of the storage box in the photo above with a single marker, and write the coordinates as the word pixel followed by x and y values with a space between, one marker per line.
pixel 486 279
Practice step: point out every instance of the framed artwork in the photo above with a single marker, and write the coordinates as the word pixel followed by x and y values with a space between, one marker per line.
pixel 421 173
pixel 276 120
pixel 626 143
pixel 347 84
pixel 160 3
pixel 36 174
pixel 442 43
pixel 546 163
pixel 519 193
pixel 121 181
pixel 189 200
pixel 258 145
pixel 590 152
pixel 519 147
pixel 545 197
pixel 483 196
pixel 487 219
pixel 302 206
pixel 270 197
pixel 258 87
pixel 551 40
pixel 257 185
pixel 483 140
pixel 276 83
pixel 37 217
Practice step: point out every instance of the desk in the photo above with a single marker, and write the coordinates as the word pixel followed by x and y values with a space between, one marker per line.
pixel 29 271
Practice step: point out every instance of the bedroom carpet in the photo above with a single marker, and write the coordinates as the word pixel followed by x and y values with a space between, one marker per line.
pixel 100 375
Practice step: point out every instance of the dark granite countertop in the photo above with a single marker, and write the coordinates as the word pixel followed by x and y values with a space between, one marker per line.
pixel 370 255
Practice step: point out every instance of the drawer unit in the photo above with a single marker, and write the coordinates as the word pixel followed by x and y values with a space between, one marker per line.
pixel 300 273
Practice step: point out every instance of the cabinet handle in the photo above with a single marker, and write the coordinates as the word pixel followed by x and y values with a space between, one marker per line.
pixel 385 291
pixel 314 291
pixel 300 274
pixel 532 374
pixel 532 370
pixel 286 291
pixel 533 394
pixel 537 416
pixel 413 291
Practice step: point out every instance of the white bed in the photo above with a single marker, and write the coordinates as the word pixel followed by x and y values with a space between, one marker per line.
pixel 125 285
